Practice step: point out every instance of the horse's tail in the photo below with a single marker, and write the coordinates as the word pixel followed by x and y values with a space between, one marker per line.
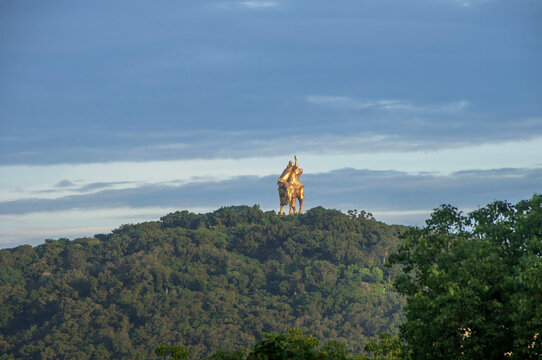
pixel 283 194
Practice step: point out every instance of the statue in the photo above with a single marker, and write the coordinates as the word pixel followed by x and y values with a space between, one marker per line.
pixel 290 188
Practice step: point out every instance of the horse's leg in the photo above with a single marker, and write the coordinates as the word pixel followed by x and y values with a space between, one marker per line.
pixel 300 205
pixel 281 212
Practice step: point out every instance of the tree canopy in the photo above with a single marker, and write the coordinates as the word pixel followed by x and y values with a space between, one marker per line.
pixel 295 345
pixel 474 283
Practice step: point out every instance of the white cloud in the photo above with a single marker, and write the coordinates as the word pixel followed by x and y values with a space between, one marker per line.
pixel 247 4
pixel 258 4
pixel 468 3
pixel 349 103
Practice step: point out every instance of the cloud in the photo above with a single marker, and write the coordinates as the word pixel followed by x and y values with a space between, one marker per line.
pixel 357 135
pixel 344 189
pixel 100 185
pixel 258 4
pixel 199 194
pixel 247 4
pixel 392 196
pixel 349 103
pixel 64 184
pixel 468 3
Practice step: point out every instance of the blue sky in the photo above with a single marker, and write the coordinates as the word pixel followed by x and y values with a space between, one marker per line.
pixel 121 112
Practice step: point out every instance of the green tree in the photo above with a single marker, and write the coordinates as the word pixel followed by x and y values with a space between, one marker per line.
pixel 334 350
pixel 474 283
pixel 291 345
pixel 295 345
pixel 386 347
pixel 223 355
pixel 176 352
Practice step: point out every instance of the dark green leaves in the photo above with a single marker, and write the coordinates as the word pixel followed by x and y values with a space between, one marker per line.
pixel 176 352
pixel 474 283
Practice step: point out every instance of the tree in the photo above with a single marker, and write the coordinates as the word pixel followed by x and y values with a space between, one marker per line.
pixel 295 345
pixel 223 355
pixel 474 283
pixel 386 347
pixel 176 352
pixel 291 345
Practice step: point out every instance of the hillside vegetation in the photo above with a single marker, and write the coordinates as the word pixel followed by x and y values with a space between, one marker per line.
pixel 211 281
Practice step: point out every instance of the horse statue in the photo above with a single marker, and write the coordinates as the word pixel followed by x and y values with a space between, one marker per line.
pixel 289 198
pixel 290 188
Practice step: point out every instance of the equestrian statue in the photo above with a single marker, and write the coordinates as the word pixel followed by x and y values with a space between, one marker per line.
pixel 290 188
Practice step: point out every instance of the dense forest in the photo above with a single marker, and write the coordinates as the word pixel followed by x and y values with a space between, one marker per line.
pixel 210 282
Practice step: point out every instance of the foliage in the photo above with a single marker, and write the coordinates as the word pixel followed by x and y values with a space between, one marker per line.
pixel 292 344
pixel 223 355
pixel 386 347
pixel 207 281
pixel 474 283
pixel 176 352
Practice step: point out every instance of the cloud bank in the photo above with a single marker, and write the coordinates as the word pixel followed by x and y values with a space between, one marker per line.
pixel 343 189
pixel 339 134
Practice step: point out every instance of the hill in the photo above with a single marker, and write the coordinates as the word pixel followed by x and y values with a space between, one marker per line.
pixel 207 281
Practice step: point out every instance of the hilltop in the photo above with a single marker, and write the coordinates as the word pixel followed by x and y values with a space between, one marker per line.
pixel 207 281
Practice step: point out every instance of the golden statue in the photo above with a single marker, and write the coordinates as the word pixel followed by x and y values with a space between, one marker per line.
pixel 290 188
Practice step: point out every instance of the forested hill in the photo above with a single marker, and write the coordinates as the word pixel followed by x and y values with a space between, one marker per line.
pixel 210 281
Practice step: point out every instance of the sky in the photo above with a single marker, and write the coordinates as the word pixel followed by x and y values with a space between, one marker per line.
pixel 121 112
